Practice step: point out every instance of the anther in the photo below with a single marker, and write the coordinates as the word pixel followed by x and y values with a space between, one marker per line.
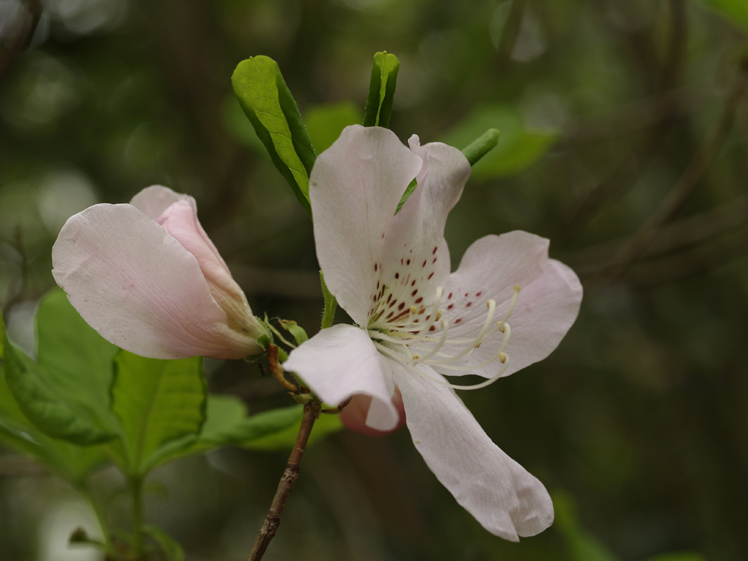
pixel 413 310
pixel 502 357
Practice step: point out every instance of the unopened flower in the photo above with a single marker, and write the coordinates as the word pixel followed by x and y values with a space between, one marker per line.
pixel 507 305
pixel 146 276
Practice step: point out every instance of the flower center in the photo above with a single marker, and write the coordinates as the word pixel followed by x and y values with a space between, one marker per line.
pixel 413 337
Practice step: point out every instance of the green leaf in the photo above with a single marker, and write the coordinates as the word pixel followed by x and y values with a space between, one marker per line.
pixel 326 122
pixel 294 329
pixel 78 360
pixel 734 10
pixel 481 146
pixel 270 107
pixel 54 413
pixel 156 401
pixel 518 149
pixel 168 545
pixel 331 304
pixel 284 438
pixel 582 545
pixel 381 90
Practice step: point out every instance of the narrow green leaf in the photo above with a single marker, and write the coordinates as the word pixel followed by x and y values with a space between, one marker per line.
pixel 474 152
pixel 294 329
pixel 168 545
pixel 381 90
pixel 2 334
pixel 272 110
pixel 481 146
pixel 582 545
pixel 156 401
pixel 331 304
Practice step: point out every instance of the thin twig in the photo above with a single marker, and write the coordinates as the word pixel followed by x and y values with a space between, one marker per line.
pixel 510 31
pixel 287 481
pixel 685 185
pixel 277 370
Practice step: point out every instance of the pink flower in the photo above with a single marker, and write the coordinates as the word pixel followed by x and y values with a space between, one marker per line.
pixel 507 305
pixel 146 276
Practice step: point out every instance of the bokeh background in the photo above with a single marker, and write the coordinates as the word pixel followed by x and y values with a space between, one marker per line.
pixel 624 139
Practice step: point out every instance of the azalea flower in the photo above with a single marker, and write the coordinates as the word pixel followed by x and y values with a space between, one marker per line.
pixel 146 276
pixel 507 305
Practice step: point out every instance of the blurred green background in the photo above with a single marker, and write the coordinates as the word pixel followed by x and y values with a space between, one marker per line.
pixel 624 139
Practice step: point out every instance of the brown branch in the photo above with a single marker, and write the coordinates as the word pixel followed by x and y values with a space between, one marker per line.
pixel 287 481
pixel 29 19
pixel 639 242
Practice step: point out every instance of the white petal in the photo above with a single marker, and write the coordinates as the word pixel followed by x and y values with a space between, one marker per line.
pixel 139 288
pixel 354 189
pixel 548 303
pixel 415 258
pixel 341 362
pixel 506 499
pixel 154 200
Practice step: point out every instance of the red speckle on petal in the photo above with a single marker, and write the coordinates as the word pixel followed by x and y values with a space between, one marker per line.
pixel 401 306
pixel 397 275
pixel 433 252
pixel 450 306
pixel 478 294
pixel 434 260
pixel 467 294
pixel 376 266
pixel 458 320
pixel 407 262
pixel 420 299
pixel 424 263
pixel 450 296
pixel 414 292
pixel 432 328
pixel 413 283
pixel 468 304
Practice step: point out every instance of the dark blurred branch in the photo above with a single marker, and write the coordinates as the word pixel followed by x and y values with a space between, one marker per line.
pixel 674 237
pixel 16 466
pixel 685 185
pixel 702 258
pixel 510 31
pixel 16 295
pixel 663 110
pixel 21 39
pixel 288 480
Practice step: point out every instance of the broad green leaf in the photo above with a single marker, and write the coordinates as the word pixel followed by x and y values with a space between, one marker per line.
pixel 284 439
pixel 54 413
pixel 326 122
pixel 78 360
pixel 582 545
pixel 734 10
pixel 156 401
pixel 518 149
pixel 226 424
pixel 270 107
pixel 168 545
pixel 381 90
